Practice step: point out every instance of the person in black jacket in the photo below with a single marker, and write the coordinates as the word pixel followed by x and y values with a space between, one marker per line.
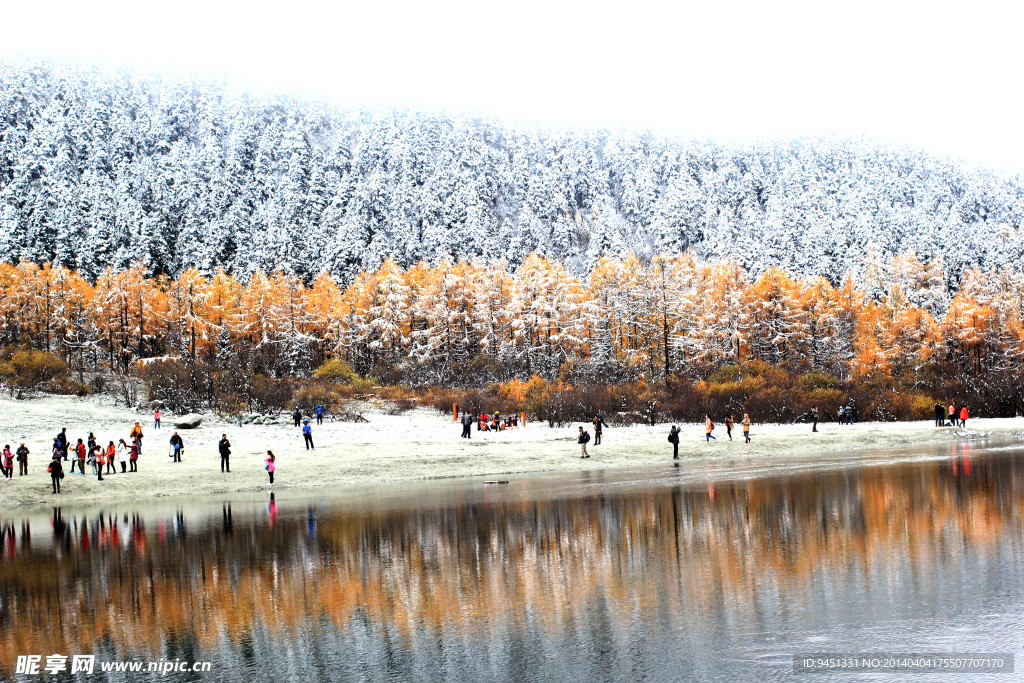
pixel 178 445
pixel 225 451
pixel 673 438
pixel 22 454
pixel 56 471
pixel 297 416
pixel 62 441
pixel 940 415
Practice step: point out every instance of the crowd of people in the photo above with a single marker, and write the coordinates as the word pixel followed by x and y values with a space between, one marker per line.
pixel 91 451
pixel 486 423
pixel 103 459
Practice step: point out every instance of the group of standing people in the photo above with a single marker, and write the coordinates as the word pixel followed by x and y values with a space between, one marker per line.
pixel 101 459
pixel 90 451
pixel 486 423
pixel 957 417
pixel 318 411
pixel 7 461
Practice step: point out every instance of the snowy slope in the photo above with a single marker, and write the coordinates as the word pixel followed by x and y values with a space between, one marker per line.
pixel 101 168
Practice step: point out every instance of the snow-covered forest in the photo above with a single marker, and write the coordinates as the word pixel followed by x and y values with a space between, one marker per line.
pixel 468 323
pixel 103 168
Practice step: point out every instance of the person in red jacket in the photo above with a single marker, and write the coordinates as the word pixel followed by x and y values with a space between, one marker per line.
pixel 963 416
pixel 79 457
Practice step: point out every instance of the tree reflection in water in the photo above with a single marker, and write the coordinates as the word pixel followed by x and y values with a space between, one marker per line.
pixel 649 579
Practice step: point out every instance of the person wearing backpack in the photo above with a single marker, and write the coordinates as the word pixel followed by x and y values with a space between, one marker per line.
pixel 319 414
pixel 583 439
pixel 709 427
pixel 673 438
pixel 137 436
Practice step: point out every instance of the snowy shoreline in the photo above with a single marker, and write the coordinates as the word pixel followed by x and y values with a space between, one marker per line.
pixel 416 445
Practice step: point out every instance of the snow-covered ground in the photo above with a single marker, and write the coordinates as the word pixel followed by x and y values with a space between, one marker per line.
pixel 419 444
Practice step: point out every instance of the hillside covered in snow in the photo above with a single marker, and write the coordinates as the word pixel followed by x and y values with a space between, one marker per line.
pixel 104 168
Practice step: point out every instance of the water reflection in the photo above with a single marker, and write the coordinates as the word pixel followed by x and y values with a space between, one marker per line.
pixel 578 578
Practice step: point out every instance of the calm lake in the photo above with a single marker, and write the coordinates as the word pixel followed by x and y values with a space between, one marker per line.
pixel 698 572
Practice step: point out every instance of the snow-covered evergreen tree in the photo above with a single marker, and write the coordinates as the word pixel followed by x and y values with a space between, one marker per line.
pixel 106 168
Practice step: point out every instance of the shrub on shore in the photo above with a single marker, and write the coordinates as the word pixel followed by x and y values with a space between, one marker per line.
pixel 26 370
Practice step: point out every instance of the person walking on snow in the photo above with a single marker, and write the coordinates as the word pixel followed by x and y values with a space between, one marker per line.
pixel 673 438
pixel 584 437
pixel 963 415
pixel 178 445
pixel 728 425
pixel 597 430
pixel 307 434
pixel 952 414
pixel 270 466
pixel 709 427
pixel 225 452
pixel 814 418
pixel 849 413
pixel 22 454
pixel 467 425
pixel 746 428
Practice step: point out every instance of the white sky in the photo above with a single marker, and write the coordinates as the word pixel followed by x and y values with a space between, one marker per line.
pixel 944 76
